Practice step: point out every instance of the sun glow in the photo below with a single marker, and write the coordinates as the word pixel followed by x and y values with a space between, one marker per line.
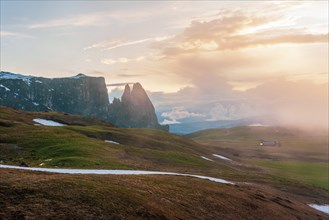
pixel 280 24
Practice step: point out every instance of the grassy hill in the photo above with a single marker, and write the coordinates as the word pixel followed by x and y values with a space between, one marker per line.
pixel 302 155
pixel 260 191
pixel 58 196
pixel 82 144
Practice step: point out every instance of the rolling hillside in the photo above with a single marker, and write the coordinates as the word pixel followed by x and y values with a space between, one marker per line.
pixel 299 155
pixel 88 143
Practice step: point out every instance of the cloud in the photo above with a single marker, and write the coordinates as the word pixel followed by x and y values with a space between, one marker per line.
pixel 300 103
pixel 119 84
pixel 169 122
pixel 178 113
pixel 128 75
pixel 113 44
pixel 12 34
pixel 7 33
pixel 210 75
pixel 99 18
pixel 108 61
pixel 233 110
pixel 82 20
pixel 221 52
pixel 279 102
pixel 235 30
pixel 122 60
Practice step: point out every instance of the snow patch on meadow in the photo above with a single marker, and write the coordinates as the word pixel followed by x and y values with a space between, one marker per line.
pixel 321 208
pixel 206 158
pixel 113 172
pixel 112 142
pixel 47 122
pixel 221 157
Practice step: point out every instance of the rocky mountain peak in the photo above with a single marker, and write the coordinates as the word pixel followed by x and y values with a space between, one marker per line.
pixel 80 75
pixel 126 94
pixel 138 93
pixel 80 94
pixel 135 109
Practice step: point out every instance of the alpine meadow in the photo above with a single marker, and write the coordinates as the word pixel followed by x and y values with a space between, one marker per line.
pixel 164 110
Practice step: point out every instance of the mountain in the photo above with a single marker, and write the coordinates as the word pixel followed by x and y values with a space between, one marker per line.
pixel 81 94
pixel 88 142
pixel 186 127
pixel 190 127
pixel 135 109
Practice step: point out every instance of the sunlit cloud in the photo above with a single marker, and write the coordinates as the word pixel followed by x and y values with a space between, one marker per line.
pixel 176 114
pixel 278 101
pixel 118 84
pixel 122 60
pixel 113 44
pixel 169 122
pixel 129 75
pixel 97 19
pixel 317 77
pixel 108 61
pixel 74 21
pixel 217 59
pixel 180 113
pixel 238 30
pixel 7 33
pixel 301 103
pixel 12 34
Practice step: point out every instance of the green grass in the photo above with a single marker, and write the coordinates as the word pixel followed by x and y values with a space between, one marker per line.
pixel 316 174
pixel 83 146
pixel 65 148
pixel 168 158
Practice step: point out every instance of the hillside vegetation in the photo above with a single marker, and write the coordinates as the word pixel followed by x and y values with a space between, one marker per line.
pixel 301 155
pixel 82 144
pixel 261 190
pixel 58 196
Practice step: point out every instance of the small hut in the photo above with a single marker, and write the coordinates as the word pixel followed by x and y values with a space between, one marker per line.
pixel 269 143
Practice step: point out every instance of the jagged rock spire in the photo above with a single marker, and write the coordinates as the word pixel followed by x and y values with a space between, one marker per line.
pixel 126 94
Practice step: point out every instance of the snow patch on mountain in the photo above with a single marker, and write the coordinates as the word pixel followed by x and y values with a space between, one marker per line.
pixel 6 88
pixel 8 75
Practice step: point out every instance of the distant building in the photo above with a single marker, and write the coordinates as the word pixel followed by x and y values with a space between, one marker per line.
pixel 269 143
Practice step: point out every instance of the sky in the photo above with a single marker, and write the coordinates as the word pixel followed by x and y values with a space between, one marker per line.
pixel 200 60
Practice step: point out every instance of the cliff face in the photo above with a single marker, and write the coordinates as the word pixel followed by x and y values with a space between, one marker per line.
pixel 80 95
pixel 135 109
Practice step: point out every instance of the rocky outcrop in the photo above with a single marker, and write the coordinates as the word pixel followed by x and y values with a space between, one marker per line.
pixel 135 109
pixel 80 95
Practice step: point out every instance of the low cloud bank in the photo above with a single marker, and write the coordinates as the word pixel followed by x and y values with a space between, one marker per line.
pixel 281 102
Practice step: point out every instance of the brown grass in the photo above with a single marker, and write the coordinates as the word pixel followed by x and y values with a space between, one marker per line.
pixel 32 195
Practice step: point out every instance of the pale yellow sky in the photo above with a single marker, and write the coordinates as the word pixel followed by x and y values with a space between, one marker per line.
pixel 168 45
pixel 199 60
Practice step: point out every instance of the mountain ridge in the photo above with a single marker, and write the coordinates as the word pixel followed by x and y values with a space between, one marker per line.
pixel 80 94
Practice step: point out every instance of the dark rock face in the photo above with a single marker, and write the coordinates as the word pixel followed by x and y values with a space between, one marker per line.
pixel 80 95
pixel 135 109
